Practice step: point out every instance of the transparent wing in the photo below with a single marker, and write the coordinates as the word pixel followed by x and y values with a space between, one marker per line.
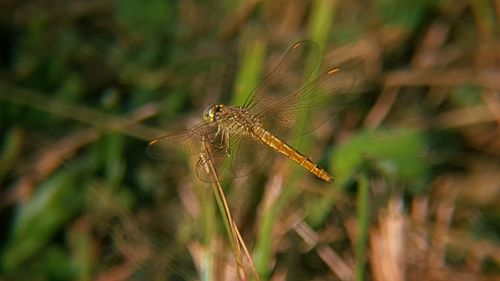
pixel 288 76
pixel 233 158
pixel 314 104
pixel 241 157
pixel 176 147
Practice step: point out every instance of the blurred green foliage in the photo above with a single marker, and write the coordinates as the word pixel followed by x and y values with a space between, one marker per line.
pixel 55 202
pixel 405 13
pixel 396 154
pixel 80 202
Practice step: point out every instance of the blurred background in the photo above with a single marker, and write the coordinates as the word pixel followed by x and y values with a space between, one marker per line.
pixel 415 151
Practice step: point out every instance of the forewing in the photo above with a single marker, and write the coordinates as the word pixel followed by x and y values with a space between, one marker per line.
pixel 310 106
pixel 237 157
pixel 178 146
pixel 295 67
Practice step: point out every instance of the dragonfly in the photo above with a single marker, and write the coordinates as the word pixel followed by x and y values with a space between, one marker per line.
pixel 240 139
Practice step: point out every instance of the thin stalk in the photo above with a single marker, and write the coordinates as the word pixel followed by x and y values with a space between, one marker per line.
pixel 363 224
pixel 235 238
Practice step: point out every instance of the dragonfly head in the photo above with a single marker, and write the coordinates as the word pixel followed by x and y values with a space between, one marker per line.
pixel 212 112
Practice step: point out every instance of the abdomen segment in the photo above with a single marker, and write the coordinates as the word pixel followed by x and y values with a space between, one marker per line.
pixel 275 143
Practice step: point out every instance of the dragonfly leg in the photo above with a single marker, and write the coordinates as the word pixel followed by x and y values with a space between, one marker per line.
pixel 218 144
pixel 225 140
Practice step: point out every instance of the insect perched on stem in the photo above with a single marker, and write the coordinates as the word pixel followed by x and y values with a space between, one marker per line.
pixel 241 138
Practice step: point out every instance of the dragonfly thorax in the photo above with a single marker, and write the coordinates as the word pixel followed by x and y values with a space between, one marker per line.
pixel 231 119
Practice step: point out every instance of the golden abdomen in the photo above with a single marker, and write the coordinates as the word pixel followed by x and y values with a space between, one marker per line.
pixel 275 143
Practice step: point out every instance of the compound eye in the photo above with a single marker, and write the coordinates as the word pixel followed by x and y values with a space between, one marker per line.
pixel 208 113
